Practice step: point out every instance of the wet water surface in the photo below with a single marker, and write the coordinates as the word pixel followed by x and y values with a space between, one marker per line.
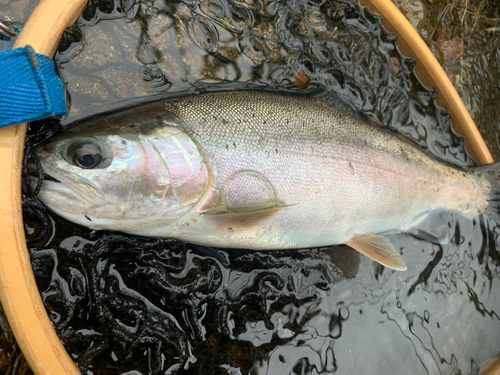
pixel 123 304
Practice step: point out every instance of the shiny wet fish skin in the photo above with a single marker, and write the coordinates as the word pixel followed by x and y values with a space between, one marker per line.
pixel 252 170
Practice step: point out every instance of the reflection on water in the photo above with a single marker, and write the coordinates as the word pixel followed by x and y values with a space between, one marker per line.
pixel 121 303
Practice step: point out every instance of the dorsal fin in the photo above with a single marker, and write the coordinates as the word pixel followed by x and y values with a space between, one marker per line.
pixel 378 248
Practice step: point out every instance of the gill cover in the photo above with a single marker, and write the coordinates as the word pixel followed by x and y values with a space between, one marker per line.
pixel 122 176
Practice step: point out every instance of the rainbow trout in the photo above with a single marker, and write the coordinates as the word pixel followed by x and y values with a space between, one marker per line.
pixel 255 171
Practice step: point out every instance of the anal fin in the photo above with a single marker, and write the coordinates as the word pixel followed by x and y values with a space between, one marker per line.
pixel 379 249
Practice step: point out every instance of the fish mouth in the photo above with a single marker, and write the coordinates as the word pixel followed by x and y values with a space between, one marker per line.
pixel 35 173
pixel 67 182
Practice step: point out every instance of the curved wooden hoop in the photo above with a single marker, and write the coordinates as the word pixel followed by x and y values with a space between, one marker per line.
pixel 492 368
pixel 18 291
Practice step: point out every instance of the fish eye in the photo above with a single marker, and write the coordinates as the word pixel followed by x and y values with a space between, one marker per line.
pixel 86 155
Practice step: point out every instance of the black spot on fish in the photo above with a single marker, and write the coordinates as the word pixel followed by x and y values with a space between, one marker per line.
pixel 234 144
pixel 88 218
pixel 227 147
pixel 204 119
pixel 124 142
pixel 276 150
pixel 224 121
pixel 131 126
pixel 215 118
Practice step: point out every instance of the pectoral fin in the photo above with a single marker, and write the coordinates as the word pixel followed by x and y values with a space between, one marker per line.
pixel 230 221
pixel 378 248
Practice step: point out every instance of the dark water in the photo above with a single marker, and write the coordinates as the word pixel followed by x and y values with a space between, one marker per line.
pixel 124 304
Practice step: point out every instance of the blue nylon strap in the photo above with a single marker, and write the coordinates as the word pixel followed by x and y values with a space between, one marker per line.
pixel 29 87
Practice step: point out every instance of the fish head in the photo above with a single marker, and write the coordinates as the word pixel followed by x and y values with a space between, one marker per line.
pixel 115 181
